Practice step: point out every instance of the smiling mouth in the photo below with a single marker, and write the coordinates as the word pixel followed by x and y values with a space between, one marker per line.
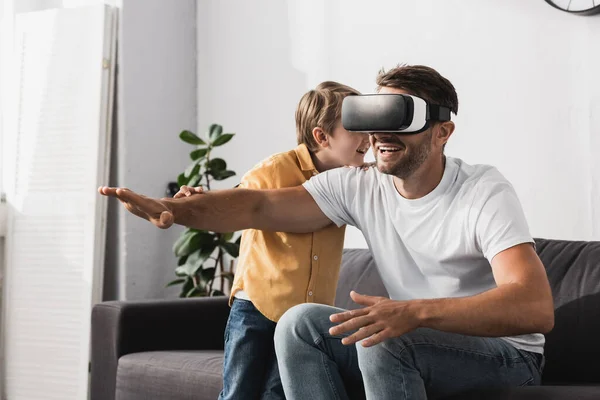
pixel 389 149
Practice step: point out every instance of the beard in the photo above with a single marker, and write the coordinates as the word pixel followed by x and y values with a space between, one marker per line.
pixel 413 158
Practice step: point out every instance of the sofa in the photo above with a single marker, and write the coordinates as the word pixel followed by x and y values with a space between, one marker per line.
pixel 173 349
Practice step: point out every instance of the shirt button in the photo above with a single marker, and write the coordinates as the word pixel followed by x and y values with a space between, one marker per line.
pixel 310 293
pixel 315 257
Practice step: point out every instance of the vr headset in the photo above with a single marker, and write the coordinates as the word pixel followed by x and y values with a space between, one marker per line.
pixel 398 113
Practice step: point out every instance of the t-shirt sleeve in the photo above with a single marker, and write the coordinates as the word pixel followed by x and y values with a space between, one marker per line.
pixel 501 222
pixel 334 192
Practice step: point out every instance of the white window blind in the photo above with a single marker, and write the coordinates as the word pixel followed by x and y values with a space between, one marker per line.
pixel 59 152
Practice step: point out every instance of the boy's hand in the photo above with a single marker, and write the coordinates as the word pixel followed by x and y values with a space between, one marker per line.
pixel 153 210
pixel 368 165
pixel 187 191
pixel 364 167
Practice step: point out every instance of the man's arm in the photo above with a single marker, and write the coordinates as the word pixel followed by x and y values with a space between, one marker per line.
pixel 282 210
pixel 521 303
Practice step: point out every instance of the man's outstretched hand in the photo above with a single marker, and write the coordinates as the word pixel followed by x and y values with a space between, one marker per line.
pixel 380 319
pixel 153 210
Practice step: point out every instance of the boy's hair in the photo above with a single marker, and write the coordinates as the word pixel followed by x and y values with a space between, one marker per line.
pixel 422 81
pixel 322 108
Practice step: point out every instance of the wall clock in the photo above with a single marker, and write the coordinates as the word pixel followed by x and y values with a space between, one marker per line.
pixel 580 7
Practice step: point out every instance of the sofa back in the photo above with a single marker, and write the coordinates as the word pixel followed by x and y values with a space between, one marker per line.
pixel 572 347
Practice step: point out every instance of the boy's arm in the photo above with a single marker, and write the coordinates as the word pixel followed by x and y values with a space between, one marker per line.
pixel 281 210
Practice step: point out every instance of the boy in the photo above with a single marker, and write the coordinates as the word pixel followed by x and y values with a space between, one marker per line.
pixel 278 270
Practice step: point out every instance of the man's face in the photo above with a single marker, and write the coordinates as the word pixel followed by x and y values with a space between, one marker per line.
pixel 400 154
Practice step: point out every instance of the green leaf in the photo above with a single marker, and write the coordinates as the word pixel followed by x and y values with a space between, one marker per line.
pixel 181 180
pixel 222 175
pixel 175 282
pixel 198 154
pixel 191 138
pixel 216 292
pixel 221 140
pixel 207 239
pixel 217 165
pixel 233 249
pixel 191 241
pixel 194 180
pixel 226 237
pixel 214 131
pixel 182 260
pixel 196 260
pixel 192 292
pixel 208 274
pixel 192 169
pixel 187 286
pixel 181 247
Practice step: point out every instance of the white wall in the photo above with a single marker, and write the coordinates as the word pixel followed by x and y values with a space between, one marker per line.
pixel 526 75
pixel 156 100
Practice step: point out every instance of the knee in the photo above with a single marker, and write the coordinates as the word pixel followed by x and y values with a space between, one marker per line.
pixel 301 323
pixel 291 321
pixel 404 349
pixel 372 359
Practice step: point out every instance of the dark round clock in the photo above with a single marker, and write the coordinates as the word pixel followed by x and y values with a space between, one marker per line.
pixel 580 7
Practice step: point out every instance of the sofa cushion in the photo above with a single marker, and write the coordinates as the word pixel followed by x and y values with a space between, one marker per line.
pixel 533 393
pixel 358 272
pixel 572 349
pixel 173 375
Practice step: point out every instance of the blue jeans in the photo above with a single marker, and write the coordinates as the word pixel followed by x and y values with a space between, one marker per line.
pixel 421 364
pixel 250 366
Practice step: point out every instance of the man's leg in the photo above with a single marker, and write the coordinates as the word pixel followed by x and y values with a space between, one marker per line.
pixel 428 364
pixel 248 344
pixel 312 363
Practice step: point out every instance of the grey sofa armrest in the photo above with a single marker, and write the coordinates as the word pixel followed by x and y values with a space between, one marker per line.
pixel 124 327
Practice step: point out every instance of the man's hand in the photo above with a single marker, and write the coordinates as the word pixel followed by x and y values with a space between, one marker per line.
pixel 153 210
pixel 187 191
pixel 380 319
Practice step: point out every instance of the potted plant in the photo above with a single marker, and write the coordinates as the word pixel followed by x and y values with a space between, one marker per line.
pixel 205 259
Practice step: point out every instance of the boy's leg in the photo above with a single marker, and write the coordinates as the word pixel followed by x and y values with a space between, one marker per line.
pixel 427 363
pixel 312 363
pixel 273 389
pixel 248 344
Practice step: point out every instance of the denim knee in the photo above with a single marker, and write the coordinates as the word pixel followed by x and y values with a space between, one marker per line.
pixel 305 322
pixel 377 358
pixel 372 359
pixel 292 325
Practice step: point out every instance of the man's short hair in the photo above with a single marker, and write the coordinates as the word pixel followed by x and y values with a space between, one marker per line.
pixel 421 81
pixel 320 108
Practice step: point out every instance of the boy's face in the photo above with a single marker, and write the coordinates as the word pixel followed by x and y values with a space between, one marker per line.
pixel 347 148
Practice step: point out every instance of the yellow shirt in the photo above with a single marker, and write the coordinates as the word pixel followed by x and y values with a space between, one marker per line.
pixel 279 270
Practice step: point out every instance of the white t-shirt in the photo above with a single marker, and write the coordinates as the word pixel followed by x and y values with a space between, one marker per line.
pixel 440 245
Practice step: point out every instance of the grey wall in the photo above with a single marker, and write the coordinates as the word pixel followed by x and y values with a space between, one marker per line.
pixel 156 99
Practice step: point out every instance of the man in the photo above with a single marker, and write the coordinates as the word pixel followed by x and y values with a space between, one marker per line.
pixel 469 297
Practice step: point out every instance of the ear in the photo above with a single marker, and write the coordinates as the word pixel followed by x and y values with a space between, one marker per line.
pixel 320 137
pixel 443 132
